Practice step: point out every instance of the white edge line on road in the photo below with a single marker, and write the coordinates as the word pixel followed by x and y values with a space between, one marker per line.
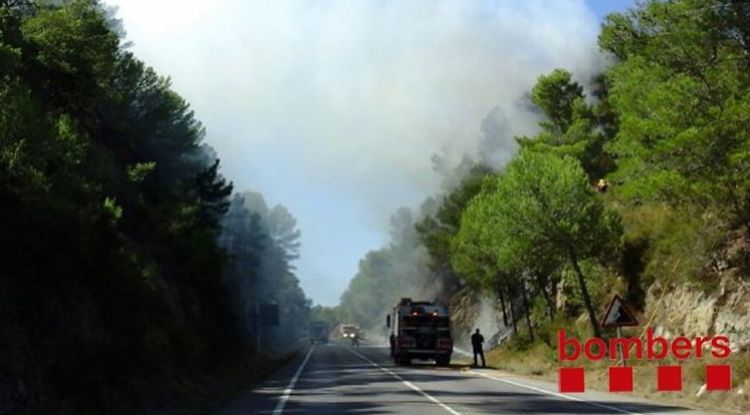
pixel 559 395
pixel 290 388
pixel 405 382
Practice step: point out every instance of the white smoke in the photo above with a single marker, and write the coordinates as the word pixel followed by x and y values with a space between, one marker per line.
pixel 347 101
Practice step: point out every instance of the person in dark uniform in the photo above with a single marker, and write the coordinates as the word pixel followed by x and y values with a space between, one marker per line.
pixel 476 343
pixel 392 340
pixel 355 340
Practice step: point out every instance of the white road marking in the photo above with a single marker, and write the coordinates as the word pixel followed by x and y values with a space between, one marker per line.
pixel 290 388
pixel 559 395
pixel 407 383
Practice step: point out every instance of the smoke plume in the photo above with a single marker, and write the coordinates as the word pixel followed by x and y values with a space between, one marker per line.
pixel 335 108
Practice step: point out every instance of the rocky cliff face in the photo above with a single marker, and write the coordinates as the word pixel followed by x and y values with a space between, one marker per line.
pixel 686 310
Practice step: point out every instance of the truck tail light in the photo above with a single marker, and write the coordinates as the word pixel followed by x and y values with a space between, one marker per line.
pixel 445 344
pixel 407 342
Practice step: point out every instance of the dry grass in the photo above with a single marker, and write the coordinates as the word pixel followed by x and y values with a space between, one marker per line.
pixel 540 360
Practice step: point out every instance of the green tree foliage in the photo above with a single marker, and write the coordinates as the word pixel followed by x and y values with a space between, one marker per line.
pixel 541 210
pixel 556 95
pixel 667 124
pixel 261 243
pixel 330 315
pixel 436 230
pixel 110 207
pixel 571 126
pixel 682 92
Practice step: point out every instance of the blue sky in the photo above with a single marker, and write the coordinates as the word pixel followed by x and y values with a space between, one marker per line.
pixel 604 7
pixel 335 108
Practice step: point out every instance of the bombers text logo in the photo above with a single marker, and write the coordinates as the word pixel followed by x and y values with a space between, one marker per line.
pixel 652 348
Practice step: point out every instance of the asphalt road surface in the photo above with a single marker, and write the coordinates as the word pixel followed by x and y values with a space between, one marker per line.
pixel 337 379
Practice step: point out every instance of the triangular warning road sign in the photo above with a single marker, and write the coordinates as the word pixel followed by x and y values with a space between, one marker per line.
pixel 618 314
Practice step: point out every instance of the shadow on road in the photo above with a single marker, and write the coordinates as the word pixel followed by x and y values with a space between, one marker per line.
pixel 336 380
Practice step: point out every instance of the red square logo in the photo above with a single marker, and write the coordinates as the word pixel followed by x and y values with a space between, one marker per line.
pixel 669 378
pixel 718 377
pixel 621 379
pixel 570 379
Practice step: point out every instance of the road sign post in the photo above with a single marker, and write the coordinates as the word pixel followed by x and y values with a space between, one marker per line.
pixel 619 315
pixel 263 315
pixel 258 342
pixel 620 352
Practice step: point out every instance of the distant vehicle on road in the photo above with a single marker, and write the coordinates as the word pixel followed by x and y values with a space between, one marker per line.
pixel 319 331
pixel 421 330
pixel 349 331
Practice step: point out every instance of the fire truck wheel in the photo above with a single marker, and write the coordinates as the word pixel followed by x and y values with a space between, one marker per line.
pixel 443 361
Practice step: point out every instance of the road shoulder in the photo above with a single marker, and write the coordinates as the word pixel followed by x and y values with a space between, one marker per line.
pixel 620 403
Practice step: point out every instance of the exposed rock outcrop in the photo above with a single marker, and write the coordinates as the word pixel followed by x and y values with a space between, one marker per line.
pixel 687 310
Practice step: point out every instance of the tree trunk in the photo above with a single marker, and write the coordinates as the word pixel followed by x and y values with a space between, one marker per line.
pixel 739 211
pixel 542 286
pixel 585 293
pixel 502 306
pixel 553 287
pixel 512 313
pixel 550 306
pixel 528 313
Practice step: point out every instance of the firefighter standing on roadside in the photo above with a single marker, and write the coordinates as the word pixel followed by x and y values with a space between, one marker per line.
pixel 476 343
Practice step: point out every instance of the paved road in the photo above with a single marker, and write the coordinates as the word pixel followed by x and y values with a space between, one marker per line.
pixel 335 378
